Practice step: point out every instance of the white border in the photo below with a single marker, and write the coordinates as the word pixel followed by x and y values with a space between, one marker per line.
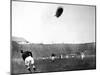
pixel 5 37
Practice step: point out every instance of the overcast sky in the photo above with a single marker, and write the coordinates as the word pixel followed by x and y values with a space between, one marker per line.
pixel 36 23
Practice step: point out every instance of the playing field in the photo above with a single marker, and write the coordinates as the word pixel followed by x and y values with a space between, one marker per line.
pixel 47 65
pixel 68 57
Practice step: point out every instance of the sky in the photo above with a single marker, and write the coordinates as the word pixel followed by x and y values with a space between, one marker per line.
pixel 37 23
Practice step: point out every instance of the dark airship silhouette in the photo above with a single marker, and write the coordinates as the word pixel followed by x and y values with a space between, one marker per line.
pixel 59 12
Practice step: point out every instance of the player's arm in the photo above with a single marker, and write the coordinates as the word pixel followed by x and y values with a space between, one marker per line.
pixel 30 53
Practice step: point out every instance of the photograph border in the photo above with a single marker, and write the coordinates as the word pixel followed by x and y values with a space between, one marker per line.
pixel 51 3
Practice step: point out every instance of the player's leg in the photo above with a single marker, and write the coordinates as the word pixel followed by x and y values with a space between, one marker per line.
pixel 34 68
pixel 32 62
pixel 27 64
pixel 28 68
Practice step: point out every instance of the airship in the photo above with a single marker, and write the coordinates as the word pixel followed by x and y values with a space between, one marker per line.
pixel 59 12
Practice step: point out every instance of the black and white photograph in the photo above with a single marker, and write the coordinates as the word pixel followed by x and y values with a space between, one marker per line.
pixel 52 37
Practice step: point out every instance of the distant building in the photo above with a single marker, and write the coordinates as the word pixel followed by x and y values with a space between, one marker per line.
pixel 20 40
pixel 23 42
